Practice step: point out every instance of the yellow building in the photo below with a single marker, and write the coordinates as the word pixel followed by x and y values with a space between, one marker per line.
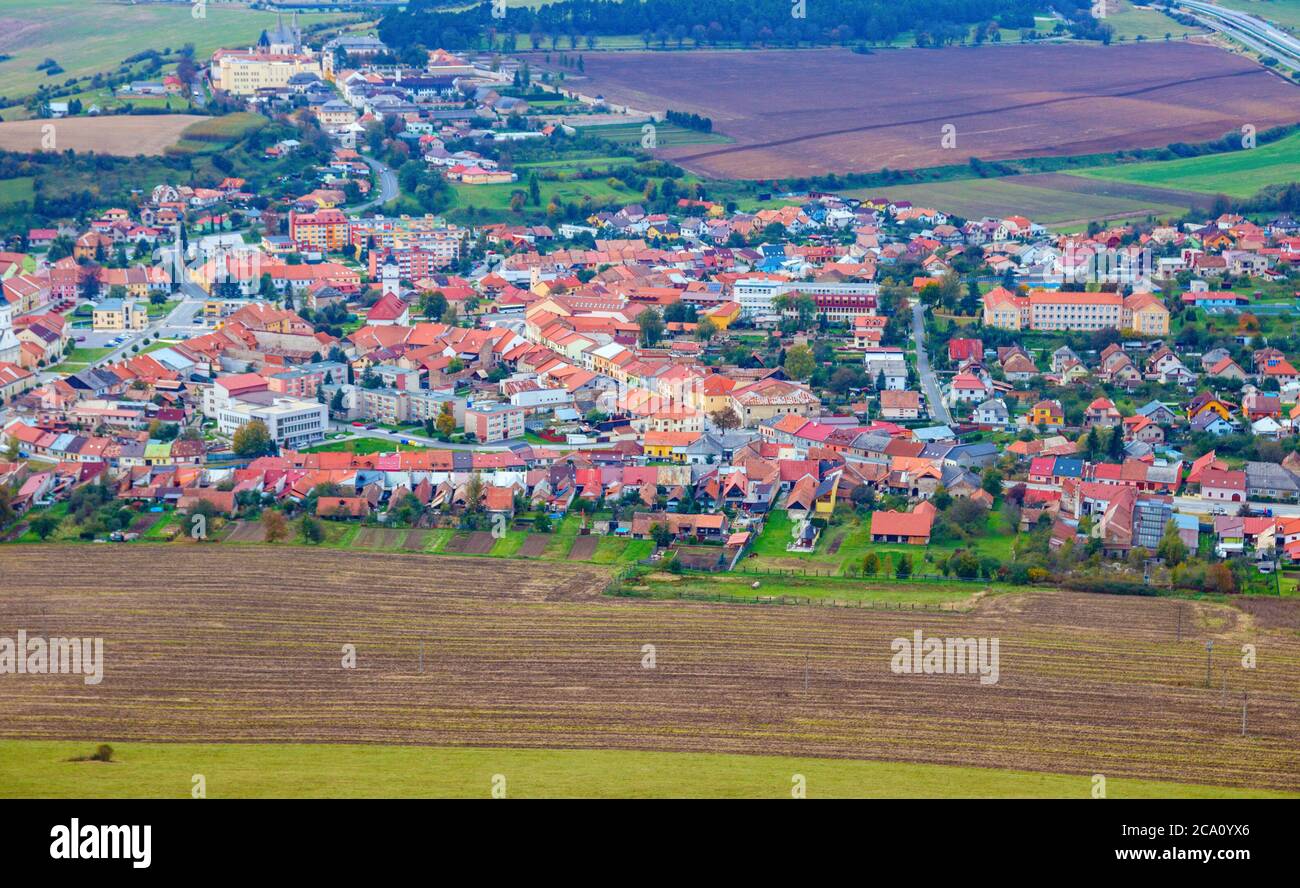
pixel 668 445
pixel 243 73
pixel 120 314
pixel 724 315
pixel 1146 314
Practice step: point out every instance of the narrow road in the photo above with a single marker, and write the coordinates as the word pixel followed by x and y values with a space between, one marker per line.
pixel 387 185
pixel 929 382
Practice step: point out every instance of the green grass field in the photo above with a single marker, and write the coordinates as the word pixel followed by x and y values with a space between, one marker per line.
pixel 1129 23
pixel 17 190
pixel 497 197
pixel 1238 174
pixel 89 36
pixel 974 198
pixel 667 135
pixel 40 769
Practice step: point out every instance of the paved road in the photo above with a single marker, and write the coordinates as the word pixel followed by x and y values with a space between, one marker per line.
pixel 929 382
pixel 179 321
pixel 387 185
pixel 1196 506
pixel 1254 32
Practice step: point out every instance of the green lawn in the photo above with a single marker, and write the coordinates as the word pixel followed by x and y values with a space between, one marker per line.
pixel 358 445
pixel 850 536
pixel 40 769
pixel 86 355
pixel 1238 174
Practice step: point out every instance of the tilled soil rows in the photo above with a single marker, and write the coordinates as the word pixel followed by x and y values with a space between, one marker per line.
pixel 213 644
pixel 878 112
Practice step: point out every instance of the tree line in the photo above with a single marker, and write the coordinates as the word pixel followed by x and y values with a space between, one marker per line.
pixel 431 24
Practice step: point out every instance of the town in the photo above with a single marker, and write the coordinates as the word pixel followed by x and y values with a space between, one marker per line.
pixel 1119 402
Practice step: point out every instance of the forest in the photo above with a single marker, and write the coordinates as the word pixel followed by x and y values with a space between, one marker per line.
pixel 437 23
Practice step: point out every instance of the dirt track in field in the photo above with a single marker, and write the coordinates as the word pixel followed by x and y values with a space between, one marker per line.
pixel 213 644
pixel 801 113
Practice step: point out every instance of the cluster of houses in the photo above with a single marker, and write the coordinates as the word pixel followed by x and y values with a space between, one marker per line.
pixel 601 361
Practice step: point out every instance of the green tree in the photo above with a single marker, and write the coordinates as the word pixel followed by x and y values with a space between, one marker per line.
pixel 799 362
pixel 44 526
pixel 651 324
pixel 992 481
pixel 903 569
pixel 871 564
pixel 1171 547
pixel 252 440
pixel 312 530
pixel 1115 446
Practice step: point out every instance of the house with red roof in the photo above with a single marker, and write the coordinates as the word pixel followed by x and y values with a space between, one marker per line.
pixel 389 311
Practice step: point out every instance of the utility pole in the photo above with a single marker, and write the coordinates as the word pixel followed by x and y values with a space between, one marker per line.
pixel 1209 657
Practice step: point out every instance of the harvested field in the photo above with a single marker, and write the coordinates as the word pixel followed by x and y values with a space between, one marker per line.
pixel 534 546
pixel 120 134
pixel 416 540
pixel 244 647
pixel 1069 99
pixel 583 547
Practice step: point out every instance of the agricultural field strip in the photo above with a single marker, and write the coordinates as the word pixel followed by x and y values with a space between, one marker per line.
pixel 959 115
pixel 532 657
pixel 1083 100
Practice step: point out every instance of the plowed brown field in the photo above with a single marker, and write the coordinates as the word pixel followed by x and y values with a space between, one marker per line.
pixel 802 113
pixel 218 644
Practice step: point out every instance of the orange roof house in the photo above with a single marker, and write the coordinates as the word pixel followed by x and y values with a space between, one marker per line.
pixel 912 527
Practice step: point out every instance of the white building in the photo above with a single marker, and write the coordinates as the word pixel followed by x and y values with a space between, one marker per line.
pixel 9 346
pixel 291 422
pixel 757 295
